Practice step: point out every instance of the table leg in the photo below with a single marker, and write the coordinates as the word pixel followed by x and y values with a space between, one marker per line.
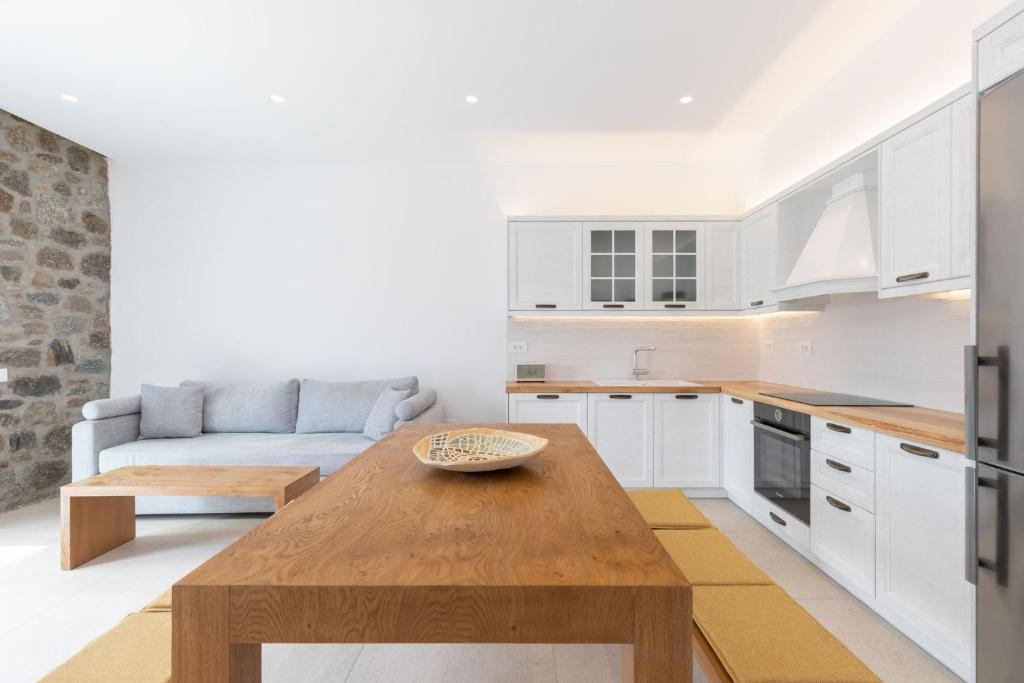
pixel 201 651
pixel 93 525
pixel 662 649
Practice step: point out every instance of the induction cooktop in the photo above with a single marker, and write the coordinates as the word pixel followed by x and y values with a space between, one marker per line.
pixel 824 398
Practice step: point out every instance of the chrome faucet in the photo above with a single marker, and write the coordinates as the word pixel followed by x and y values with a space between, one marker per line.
pixel 637 371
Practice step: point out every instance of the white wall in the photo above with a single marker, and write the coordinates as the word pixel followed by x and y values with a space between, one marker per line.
pixel 248 272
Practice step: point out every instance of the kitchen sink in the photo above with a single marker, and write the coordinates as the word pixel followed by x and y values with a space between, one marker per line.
pixel 645 383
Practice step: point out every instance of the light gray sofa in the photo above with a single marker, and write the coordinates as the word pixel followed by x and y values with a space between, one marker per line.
pixel 108 438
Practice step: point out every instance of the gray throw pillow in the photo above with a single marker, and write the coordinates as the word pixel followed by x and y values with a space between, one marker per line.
pixel 269 408
pixel 342 406
pixel 169 412
pixel 382 419
pixel 414 405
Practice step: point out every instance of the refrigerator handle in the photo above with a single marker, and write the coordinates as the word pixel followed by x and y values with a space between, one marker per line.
pixel 1001 361
pixel 971 528
pixel 1001 564
pixel 971 401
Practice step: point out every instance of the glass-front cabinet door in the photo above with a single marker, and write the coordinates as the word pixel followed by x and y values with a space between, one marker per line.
pixel 612 265
pixel 675 267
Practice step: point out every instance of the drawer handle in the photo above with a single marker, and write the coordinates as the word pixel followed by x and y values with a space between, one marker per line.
pixel 681 396
pixel 912 276
pixel 622 396
pixel 838 465
pixel 838 428
pixel 675 305
pixel 545 305
pixel 777 519
pixel 917 450
pixel 759 302
pixel 736 401
pixel 838 504
pixel 613 306
pixel 549 397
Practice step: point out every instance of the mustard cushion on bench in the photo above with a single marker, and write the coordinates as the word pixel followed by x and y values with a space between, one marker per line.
pixel 762 635
pixel 668 509
pixel 137 650
pixel 708 558
pixel 161 603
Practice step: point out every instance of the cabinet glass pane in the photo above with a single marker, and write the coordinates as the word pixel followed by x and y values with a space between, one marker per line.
pixel 600 290
pixel 661 266
pixel 686 290
pixel 601 266
pixel 625 266
pixel 686 241
pixel 686 266
pixel 625 290
pixel 601 241
pixel 625 241
pixel 661 241
pixel 661 290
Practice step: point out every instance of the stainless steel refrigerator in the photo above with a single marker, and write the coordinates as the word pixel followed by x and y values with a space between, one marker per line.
pixel 995 389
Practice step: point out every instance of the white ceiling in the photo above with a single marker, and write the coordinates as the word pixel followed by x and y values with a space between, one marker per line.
pixel 386 79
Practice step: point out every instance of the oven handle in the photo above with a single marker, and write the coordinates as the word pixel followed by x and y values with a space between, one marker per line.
pixel 779 432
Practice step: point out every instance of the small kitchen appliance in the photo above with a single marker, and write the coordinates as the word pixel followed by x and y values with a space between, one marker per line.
pixel 531 372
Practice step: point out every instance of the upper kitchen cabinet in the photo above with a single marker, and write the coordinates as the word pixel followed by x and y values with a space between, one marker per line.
pixel 612 265
pixel 674 266
pixel 722 247
pixel 925 202
pixel 545 258
pixel 757 262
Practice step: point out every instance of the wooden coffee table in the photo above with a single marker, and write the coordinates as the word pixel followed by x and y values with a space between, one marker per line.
pixel 98 514
pixel 389 550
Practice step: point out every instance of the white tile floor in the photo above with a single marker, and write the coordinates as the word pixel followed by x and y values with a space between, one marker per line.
pixel 46 615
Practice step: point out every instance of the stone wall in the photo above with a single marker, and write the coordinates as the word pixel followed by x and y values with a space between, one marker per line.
pixel 54 303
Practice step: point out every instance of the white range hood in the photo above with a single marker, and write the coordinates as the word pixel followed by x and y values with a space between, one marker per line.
pixel 839 256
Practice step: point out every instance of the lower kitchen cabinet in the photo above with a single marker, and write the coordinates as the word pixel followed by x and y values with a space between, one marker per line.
pixel 619 428
pixel 921 531
pixel 549 408
pixel 686 440
pixel 737 447
pixel 843 538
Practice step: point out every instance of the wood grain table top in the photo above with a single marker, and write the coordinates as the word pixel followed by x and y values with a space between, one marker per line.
pixel 939 428
pixel 386 519
pixel 189 480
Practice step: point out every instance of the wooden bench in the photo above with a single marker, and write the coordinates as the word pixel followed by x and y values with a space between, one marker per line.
pixel 748 630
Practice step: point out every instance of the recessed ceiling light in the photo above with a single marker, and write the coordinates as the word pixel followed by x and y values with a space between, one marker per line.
pixel 686 99
pixel 69 98
pixel 472 99
pixel 277 99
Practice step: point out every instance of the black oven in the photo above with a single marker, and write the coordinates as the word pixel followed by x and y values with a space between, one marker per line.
pixel 782 459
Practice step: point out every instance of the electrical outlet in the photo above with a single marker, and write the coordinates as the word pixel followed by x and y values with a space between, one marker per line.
pixel 3 374
pixel 518 347
pixel 768 347
pixel 807 347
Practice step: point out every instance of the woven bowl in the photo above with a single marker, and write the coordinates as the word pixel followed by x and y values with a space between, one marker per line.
pixel 477 449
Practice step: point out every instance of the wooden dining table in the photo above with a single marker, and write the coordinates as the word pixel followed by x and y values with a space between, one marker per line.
pixel 389 550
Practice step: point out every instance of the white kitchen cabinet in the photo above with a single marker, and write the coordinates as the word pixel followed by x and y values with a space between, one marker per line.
pixel 920 520
pixel 843 537
pixel 619 428
pixel 1001 52
pixel 548 408
pixel 915 207
pixel 685 440
pixel 757 263
pixel 738 448
pixel 545 258
pixel 722 244
pixel 613 265
pixel 963 161
pixel 674 266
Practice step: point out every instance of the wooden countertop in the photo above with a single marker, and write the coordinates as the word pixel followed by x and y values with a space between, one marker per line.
pixel 938 428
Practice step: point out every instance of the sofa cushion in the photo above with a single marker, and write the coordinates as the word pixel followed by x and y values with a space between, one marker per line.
pixel 382 418
pixel 343 406
pixel 270 407
pixel 706 557
pixel 668 509
pixel 414 405
pixel 169 412
pixel 327 451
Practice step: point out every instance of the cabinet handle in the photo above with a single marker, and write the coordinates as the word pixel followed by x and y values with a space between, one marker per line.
pixel 686 395
pixel 777 519
pixel 838 504
pixel 736 401
pixel 545 305
pixel 838 465
pixel 838 428
pixel 675 305
pixel 917 450
pixel 759 302
pixel 548 396
pixel 912 276
pixel 613 306
pixel 623 396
